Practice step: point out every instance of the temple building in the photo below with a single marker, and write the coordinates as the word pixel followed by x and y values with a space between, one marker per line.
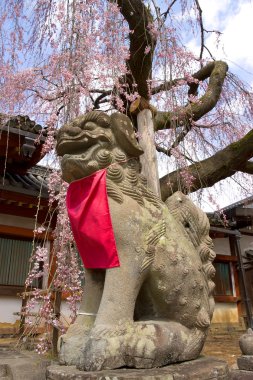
pixel 23 207
pixel 233 244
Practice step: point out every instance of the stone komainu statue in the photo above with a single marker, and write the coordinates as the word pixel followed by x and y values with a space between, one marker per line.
pixel 155 308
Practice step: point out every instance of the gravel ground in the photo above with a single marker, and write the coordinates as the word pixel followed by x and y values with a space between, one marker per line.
pixel 223 346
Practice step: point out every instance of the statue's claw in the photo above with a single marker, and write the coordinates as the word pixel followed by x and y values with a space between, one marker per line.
pixel 101 353
pixel 70 345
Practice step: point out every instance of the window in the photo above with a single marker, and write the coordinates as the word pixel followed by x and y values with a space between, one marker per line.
pixel 14 261
pixel 222 279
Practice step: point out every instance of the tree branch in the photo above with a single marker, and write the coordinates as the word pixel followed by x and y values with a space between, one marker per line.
pixel 180 137
pixel 165 14
pixel 194 111
pixel 167 86
pixel 138 18
pixel 247 167
pixel 201 75
pixel 206 173
pixel 100 99
pixel 202 39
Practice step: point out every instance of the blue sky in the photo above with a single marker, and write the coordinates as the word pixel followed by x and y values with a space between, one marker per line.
pixel 234 18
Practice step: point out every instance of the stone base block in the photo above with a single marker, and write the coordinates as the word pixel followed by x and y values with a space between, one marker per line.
pixel 203 368
pixel 245 362
pixel 237 374
pixel 16 365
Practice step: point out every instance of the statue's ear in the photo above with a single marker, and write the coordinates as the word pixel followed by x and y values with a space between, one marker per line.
pixel 123 131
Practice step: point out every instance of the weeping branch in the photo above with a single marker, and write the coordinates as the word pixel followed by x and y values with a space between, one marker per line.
pixel 235 157
pixel 201 75
pixel 194 111
pixel 165 14
pixel 202 38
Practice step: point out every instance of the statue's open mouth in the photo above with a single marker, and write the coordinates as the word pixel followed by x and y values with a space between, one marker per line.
pixel 73 147
pixel 79 145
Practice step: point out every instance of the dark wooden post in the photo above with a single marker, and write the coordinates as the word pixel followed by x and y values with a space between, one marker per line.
pixel 247 301
pixel 57 313
pixel 22 315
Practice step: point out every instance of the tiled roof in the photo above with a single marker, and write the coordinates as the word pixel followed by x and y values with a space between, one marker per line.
pixel 22 124
pixel 32 183
pixel 21 143
pixel 242 203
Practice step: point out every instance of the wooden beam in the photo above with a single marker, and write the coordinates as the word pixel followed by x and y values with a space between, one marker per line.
pixel 8 290
pixel 237 290
pixel 21 197
pixel 227 299
pixel 23 211
pixel 57 313
pixel 23 232
pixel 245 231
pixel 226 258
pixel 244 211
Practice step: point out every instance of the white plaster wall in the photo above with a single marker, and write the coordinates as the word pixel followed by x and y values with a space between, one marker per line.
pixel 225 313
pixel 221 246
pixel 65 313
pixel 246 241
pixel 9 305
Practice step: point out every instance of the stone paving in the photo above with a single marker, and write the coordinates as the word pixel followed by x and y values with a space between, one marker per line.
pixel 21 365
pixel 223 346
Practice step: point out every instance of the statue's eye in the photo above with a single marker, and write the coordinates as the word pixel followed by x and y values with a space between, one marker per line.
pixel 90 126
pixel 74 131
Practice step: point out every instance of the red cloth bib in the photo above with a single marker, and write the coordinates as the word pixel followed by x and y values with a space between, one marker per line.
pixel 90 219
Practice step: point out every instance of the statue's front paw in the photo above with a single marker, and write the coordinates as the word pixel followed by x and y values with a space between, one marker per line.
pixel 101 353
pixel 70 344
pixel 118 346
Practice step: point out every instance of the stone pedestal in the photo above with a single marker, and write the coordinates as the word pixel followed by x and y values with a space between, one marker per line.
pixel 203 368
pixel 245 368
pixel 245 362
pixel 237 374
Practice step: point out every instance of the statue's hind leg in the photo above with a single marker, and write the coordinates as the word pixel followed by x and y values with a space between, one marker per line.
pixel 116 340
pixel 69 344
pixel 158 343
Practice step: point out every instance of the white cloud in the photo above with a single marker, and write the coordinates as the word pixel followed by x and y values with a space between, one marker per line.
pixel 215 12
pixel 235 20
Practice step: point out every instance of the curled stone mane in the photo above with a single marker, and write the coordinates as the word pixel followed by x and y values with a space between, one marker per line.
pixel 196 226
pixel 125 178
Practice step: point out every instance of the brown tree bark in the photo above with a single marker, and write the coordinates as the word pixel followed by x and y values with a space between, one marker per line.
pixel 138 18
pixel 221 165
